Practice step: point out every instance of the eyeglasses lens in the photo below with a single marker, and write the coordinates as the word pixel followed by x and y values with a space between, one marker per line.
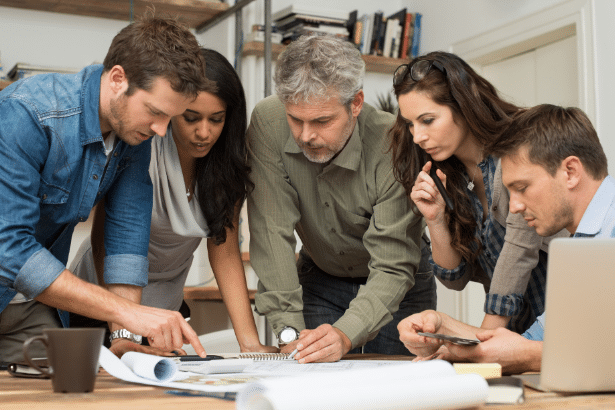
pixel 400 74
pixel 420 69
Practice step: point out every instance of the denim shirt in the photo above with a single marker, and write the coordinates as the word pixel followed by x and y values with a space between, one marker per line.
pixel 52 172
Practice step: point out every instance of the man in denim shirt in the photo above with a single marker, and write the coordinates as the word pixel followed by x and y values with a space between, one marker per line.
pixel 556 172
pixel 68 141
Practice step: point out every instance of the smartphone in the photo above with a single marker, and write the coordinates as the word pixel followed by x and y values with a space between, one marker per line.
pixel 436 179
pixel 453 339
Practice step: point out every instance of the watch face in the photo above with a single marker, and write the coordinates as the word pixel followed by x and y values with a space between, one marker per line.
pixel 287 335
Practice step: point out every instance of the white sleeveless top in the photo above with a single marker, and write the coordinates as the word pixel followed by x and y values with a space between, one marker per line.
pixel 177 228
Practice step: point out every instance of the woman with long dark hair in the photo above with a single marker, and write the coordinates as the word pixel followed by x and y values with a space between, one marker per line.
pixel 200 181
pixel 448 116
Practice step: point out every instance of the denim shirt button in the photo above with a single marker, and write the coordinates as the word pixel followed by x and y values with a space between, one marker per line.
pixel 44 196
pixel 95 176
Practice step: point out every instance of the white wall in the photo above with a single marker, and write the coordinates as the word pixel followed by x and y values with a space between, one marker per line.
pixel 53 39
pixel 468 18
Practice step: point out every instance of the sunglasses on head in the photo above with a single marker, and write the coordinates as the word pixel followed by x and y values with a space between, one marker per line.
pixel 417 69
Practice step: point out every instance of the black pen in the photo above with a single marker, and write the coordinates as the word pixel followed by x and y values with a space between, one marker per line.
pixel 436 179
pixel 194 358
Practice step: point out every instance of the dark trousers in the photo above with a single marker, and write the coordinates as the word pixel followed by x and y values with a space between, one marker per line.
pixel 326 298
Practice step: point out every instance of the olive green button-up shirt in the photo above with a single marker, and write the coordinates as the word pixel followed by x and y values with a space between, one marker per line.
pixel 351 215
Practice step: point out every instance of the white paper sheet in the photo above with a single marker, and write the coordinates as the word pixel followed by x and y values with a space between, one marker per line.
pixel 423 385
pixel 346 385
pixel 181 380
pixel 151 367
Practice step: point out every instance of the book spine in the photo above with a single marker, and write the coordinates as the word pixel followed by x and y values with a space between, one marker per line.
pixel 381 36
pixel 388 38
pixel 366 35
pixel 397 40
pixel 376 33
pixel 406 36
pixel 416 38
pixel 358 33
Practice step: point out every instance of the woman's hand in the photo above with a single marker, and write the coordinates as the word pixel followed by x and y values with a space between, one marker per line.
pixel 427 198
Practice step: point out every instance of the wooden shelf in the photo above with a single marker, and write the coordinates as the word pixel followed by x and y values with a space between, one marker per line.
pixel 209 293
pixel 384 65
pixel 190 12
pixel 373 64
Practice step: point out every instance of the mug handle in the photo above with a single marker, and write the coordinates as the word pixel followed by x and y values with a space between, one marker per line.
pixel 26 345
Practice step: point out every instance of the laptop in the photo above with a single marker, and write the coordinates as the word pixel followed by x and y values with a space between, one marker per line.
pixel 579 342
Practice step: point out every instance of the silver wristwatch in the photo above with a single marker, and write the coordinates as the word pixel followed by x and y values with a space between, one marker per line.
pixel 125 334
pixel 287 335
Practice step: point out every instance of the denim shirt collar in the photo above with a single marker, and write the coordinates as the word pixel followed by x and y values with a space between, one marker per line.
pixel 90 104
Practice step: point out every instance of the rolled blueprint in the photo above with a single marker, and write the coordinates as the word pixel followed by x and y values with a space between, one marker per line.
pixel 151 367
pixel 420 386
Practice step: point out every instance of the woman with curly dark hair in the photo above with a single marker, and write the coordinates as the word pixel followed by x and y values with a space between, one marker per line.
pixel 448 116
pixel 200 181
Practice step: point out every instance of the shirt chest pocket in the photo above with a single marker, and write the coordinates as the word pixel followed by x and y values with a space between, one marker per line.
pixel 352 224
pixel 124 163
pixel 52 195
pixel 54 200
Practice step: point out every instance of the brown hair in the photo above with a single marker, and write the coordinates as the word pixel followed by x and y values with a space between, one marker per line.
pixel 552 134
pixel 158 47
pixel 475 105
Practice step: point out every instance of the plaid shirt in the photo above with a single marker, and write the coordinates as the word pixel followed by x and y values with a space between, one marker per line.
pixel 524 309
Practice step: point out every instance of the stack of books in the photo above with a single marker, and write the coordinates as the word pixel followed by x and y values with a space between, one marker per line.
pixel 396 36
pixel 295 21
pixel 22 70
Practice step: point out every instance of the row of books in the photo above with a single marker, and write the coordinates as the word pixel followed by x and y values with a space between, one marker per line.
pixel 397 35
pixel 295 21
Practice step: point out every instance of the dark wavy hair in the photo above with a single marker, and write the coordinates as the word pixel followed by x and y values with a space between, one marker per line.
pixel 476 106
pixel 222 176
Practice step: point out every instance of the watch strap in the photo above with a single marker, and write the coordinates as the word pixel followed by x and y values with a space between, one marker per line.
pixel 125 334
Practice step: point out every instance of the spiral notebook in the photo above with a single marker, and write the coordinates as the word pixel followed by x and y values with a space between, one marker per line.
pixel 258 356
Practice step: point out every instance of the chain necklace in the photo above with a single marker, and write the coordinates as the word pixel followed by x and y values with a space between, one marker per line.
pixel 471 183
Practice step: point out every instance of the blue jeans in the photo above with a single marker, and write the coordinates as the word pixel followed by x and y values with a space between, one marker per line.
pixel 326 298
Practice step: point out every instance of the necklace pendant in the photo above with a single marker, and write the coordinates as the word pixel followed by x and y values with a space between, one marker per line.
pixel 471 185
pixel 188 193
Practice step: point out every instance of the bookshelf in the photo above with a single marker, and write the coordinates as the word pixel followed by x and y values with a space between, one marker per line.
pixel 193 13
pixel 375 64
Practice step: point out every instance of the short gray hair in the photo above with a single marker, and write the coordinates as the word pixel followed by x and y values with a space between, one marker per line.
pixel 315 65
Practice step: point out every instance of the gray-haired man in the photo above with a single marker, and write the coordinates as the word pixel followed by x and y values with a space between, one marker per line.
pixel 320 165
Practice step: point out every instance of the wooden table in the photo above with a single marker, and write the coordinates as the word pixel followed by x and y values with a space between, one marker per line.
pixel 111 393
